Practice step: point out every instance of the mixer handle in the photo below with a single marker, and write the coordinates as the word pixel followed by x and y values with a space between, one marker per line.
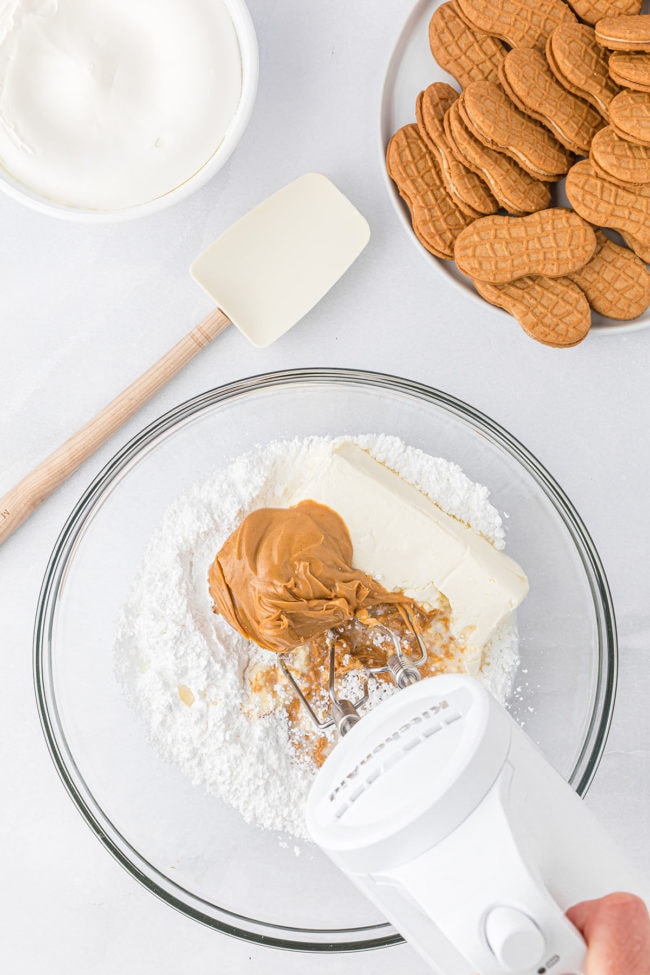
pixel 492 905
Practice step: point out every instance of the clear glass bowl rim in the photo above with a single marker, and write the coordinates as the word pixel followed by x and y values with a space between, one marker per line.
pixel 597 731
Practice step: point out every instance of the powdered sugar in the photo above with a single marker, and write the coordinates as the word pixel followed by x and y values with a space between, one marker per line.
pixel 182 666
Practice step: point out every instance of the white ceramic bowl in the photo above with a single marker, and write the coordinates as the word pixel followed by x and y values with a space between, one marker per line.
pixel 247 41
pixel 411 68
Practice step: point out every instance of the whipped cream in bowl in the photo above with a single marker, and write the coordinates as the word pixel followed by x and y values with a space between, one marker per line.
pixel 111 109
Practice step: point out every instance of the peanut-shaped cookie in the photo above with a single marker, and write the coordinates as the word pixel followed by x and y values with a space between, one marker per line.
pixel 465 187
pixel 554 243
pixel 591 11
pixel 580 64
pixel 606 204
pixel 466 53
pixel 436 219
pixel 520 23
pixel 532 86
pixel 629 116
pixel 615 281
pixel 553 311
pixel 630 70
pixel 513 188
pixel 624 33
pixel 496 121
pixel 625 162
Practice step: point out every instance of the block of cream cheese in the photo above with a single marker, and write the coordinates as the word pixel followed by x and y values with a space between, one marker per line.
pixel 407 542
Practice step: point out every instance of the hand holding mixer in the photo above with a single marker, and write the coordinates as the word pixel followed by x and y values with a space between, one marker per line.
pixel 444 813
pixel 435 803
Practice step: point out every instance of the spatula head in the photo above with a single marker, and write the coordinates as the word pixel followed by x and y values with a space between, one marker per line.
pixel 271 267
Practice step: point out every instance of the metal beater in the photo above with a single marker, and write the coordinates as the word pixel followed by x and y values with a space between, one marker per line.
pixel 403 668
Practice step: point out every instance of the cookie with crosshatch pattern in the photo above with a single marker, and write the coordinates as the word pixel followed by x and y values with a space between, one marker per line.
pixel 615 281
pixel 579 63
pixel 629 116
pixel 468 54
pixel 520 23
pixel 436 219
pixel 553 243
pixel 541 79
pixel 465 186
pixel 494 119
pixel 625 162
pixel 591 11
pixel 607 204
pixel 630 70
pixel 529 82
pixel 624 33
pixel 553 311
pixel 513 188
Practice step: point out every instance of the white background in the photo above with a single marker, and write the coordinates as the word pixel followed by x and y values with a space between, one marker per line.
pixel 84 310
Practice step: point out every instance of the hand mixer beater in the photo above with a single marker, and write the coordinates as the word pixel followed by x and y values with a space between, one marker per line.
pixel 399 666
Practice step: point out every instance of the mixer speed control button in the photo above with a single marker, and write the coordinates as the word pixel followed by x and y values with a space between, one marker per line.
pixel 514 939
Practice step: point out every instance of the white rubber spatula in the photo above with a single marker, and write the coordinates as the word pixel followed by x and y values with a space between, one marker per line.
pixel 264 273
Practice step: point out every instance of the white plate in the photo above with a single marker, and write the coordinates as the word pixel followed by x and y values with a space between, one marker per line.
pixel 410 69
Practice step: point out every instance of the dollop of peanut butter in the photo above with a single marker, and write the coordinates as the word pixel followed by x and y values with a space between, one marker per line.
pixel 285 576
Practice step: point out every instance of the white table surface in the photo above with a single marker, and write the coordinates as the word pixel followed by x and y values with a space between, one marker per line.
pixel 83 310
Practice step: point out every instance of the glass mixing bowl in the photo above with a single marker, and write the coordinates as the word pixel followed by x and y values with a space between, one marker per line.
pixel 188 847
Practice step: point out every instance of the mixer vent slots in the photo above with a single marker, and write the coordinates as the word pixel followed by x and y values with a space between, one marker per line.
pixel 389 753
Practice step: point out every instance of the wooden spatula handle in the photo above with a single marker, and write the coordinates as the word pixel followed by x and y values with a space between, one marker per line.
pixel 27 495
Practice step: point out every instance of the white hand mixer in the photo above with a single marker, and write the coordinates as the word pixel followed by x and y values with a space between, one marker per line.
pixel 445 814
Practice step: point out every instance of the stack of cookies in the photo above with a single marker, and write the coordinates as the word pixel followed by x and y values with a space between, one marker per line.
pixel 542 83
